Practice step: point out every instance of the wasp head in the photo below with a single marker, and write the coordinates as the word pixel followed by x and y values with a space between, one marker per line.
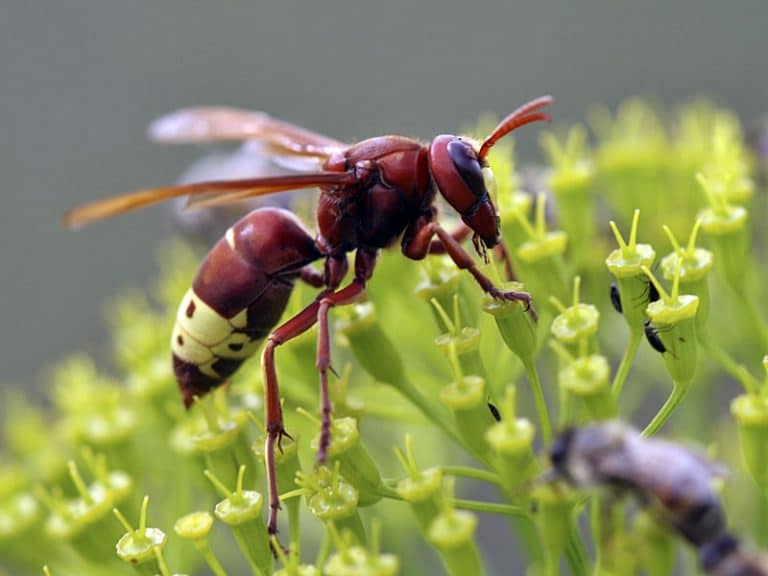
pixel 463 177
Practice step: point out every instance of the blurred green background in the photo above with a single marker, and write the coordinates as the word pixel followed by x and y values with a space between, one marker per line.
pixel 80 80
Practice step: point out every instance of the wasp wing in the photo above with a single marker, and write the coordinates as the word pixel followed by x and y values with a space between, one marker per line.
pixel 243 188
pixel 211 124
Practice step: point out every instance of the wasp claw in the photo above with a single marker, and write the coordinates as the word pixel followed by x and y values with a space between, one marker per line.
pixel 280 435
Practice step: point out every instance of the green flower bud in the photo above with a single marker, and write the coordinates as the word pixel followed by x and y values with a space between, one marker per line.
pixel 216 434
pixel 453 529
pixel 356 561
pixel 331 498
pixel 466 343
pixel 672 318
pixel 371 346
pixel 576 323
pixel 241 511
pixel 572 181
pixel 512 440
pixel 441 282
pixel 465 397
pixel 137 546
pixel 194 526
pixel 421 488
pixel 515 325
pixel 588 378
pixel 727 228
pixel 360 561
pixel 541 257
pixel 514 208
pixel 84 521
pixel 357 465
pixel 751 414
pixel 335 498
pixel 694 264
pixel 626 265
pixel 452 532
pixel 554 510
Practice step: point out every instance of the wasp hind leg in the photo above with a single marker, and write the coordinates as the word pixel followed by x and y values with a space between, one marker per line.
pixel 292 328
pixel 364 263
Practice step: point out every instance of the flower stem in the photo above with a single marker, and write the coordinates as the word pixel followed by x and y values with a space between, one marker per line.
pixel 751 314
pixel 205 551
pixel 492 507
pixel 538 399
pixel 575 553
pixel 626 363
pixel 468 472
pixel 738 371
pixel 679 390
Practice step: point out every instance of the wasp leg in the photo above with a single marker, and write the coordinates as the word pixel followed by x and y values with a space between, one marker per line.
pixel 502 253
pixel 364 263
pixel 292 328
pixel 416 245
pixel 461 233
pixel 312 277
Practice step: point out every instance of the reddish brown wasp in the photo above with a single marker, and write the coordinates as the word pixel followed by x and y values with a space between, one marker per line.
pixel 372 193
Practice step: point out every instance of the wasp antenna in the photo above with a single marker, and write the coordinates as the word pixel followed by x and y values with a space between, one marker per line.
pixel 525 114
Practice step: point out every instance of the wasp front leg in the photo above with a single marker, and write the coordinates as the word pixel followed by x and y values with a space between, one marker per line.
pixel 416 245
pixel 461 233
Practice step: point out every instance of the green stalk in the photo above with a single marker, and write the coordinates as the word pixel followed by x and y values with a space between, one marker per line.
pixel 738 371
pixel 492 507
pixel 538 398
pixel 626 362
pixel 468 472
pixel 205 551
pixel 679 391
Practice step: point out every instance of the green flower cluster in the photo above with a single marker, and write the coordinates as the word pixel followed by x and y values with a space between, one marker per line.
pixel 476 387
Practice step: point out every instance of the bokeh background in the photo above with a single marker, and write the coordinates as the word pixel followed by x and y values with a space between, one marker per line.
pixel 80 79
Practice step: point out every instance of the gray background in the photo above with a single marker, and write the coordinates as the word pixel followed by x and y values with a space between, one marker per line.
pixel 80 79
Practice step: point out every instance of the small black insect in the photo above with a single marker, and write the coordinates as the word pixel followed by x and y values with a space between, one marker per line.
pixel 494 412
pixel 653 292
pixel 616 297
pixel 652 335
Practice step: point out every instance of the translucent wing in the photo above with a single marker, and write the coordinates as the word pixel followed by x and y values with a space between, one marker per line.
pixel 227 190
pixel 211 124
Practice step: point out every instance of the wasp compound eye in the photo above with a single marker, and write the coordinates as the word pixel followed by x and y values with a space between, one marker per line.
pixel 466 163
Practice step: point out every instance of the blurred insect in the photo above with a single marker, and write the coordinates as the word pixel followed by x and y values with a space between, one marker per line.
pixel 673 481
pixel 372 194
pixel 725 556
pixel 652 335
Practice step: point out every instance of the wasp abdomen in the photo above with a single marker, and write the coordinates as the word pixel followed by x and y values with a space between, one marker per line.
pixel 237 297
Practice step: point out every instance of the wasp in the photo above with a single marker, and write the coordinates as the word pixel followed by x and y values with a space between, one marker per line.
pixel 373 194
pixel 673 481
